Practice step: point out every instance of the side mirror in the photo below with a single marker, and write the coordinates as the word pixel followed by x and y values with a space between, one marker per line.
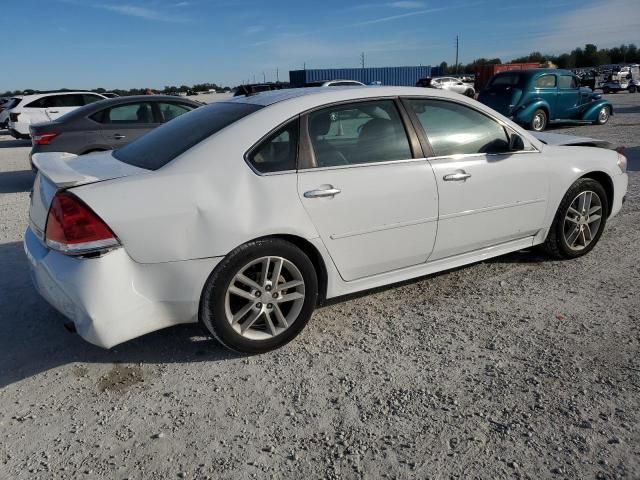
pixel 516 144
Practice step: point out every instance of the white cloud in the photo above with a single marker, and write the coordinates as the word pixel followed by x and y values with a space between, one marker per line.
pixel 407 5
pixel 141 12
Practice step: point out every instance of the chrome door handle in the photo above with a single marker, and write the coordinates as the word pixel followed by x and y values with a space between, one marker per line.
pixel 117 136
pixel 323 192
pixel 53 111
pixel 459 176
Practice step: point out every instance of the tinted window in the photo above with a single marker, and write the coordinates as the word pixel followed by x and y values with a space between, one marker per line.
pixel 40 103
pixel 279 152
pixel 160 146
pixel 454 129
pixel 546 81
pixel 506 80
pixel 73 100
pixel 356 133
pixel 88 98
pixel 568 81
pixel 130 113
pixel 169 111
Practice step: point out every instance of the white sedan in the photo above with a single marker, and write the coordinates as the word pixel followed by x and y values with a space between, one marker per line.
pixel 245 215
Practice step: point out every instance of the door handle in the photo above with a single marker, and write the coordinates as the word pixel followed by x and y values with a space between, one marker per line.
pixel 118 136
pixel 459 176
pixel 53 111
pixel 330 191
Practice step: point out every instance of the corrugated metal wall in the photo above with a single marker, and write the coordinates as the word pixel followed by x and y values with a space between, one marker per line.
pixel 399 76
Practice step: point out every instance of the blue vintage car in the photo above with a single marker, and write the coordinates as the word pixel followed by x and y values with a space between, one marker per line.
pixel 535 98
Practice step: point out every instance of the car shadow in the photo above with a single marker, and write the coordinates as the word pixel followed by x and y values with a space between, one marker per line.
pixel 633 159
pixel 16 181
pixel 33 338
pixel 15 143
pixel 626 109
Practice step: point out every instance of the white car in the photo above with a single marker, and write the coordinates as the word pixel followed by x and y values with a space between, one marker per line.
pixel 454 85
pixel 336 83
pixel 5 106
pixel 244 215
pixel 45 107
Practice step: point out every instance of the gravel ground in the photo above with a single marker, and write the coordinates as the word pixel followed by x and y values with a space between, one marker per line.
pixel 519 367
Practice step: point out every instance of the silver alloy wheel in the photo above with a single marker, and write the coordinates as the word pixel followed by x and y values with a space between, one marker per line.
pixel 538 122
pixel 582 221
pixel 264 298
pixel 603 115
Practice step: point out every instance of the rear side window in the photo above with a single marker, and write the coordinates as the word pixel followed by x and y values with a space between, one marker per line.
pixel 169 111
pixel 158 147
pixel 279 152
pixel 88 98
pixel 125 114
pixel 546 81
pixel 73 100
pixel 506 80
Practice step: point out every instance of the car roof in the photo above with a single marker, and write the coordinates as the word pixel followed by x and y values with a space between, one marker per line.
pixel 530 72
pixel 321 95
pixel 49 94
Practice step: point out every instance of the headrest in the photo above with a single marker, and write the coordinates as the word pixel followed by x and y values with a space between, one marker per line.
pixel 320 124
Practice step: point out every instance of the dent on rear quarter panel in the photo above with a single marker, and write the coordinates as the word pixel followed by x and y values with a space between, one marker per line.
pixel 175 214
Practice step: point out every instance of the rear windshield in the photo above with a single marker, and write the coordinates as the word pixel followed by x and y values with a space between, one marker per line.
pixel 506 80
pixel 160 146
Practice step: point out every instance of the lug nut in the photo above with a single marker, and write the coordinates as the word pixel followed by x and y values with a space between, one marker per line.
pixel 258 305
pixel 270 306
pixel 274 295
pixel 258 294
pixel 268 288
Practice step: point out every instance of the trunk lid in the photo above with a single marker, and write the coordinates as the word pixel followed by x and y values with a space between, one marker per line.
pixel 60 171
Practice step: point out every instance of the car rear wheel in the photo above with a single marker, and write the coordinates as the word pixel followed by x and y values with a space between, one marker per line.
pixel 470 93
pixel 603 116
pixel 539 121
pixel 632 89
pixel 260 297
pixel 579 221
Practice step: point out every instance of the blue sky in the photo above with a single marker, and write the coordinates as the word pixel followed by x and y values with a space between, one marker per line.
pixel 152 43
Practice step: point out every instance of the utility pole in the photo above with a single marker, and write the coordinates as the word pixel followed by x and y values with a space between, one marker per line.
pixel 362 59
pixel 264 77
pixel 277 75
pixel 457 51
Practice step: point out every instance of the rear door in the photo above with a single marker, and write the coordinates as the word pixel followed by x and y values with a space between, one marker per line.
pixel 547 89
pixel 125 123
pixel 374 205
pixel 61 104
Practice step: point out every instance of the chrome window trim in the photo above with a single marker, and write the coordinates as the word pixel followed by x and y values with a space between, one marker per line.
pixel 362 165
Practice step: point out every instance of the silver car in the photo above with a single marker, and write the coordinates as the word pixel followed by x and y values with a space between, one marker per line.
pixel 454 85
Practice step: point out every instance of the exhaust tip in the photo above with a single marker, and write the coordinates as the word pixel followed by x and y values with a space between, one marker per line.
pixel 70 326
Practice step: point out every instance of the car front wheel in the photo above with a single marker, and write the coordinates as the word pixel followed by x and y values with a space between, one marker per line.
pixel 632 89
pixel 539 121
pixel 579 221
pixel 260 296
pixel 603 116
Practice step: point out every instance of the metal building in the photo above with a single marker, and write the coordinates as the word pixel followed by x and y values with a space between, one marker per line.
pixel 398 76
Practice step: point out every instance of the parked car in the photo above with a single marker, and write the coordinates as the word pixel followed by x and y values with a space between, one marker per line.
pixel 453 85
pixel 45 107
pixel 107 124
pixel 5 106
pixel 110 95
pixel 335 83
pixel 535 98
pixel 614 86
pixel 245 214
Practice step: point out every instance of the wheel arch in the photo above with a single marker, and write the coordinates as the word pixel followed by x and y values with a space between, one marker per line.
pixel 607 183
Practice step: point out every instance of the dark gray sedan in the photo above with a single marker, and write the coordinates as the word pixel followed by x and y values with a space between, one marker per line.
pixel 107 124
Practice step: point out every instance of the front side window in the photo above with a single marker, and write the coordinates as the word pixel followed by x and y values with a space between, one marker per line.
pixel 546 81
pixel 455 129
pixel 88 98
pixel 169 111
pixel 363 132
pixel 278 152
pixel 568 81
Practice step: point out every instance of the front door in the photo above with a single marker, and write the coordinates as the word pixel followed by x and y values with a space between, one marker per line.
pixel 569 97
pixel 374 205
pixel 487 195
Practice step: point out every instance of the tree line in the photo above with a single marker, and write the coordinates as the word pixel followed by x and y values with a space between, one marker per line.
pixel 198 87
pixel 589 56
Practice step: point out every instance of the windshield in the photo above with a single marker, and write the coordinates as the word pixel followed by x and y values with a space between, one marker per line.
pixel 506 80
pixel 160 146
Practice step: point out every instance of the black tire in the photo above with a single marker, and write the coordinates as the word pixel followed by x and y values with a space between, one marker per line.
pixel 470 93
pixel 543 121
pixel 556 245
pixel 606 90
pixel 632 89
pixel 603 117
pixel 212 312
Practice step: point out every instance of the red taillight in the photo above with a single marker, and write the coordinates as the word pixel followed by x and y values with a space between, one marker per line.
pixel 13 117
pixel 621 150
pixel 72 227
pixel 43 138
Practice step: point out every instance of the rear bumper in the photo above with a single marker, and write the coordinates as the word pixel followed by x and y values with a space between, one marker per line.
pixel 112 299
